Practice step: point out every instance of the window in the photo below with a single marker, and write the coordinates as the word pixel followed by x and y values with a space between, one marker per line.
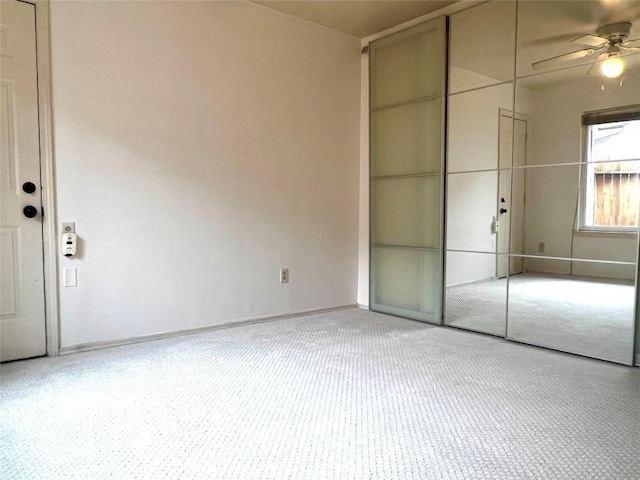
pixel 611 174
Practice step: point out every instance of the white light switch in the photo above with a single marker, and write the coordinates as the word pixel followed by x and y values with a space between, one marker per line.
pixel 70 277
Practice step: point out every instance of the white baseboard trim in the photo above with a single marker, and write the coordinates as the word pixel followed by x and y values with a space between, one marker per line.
pixel 363 307
pixel 474 282
pixel 87 347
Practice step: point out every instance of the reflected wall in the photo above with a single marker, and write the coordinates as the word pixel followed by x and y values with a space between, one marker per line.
pixel 479 138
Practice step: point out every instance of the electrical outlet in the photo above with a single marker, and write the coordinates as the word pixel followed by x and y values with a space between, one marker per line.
pixel 541 247
pixel 284 275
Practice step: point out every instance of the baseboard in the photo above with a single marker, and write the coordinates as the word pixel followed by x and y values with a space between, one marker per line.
pixel 363 306
pixel 474 282
pixel 86 347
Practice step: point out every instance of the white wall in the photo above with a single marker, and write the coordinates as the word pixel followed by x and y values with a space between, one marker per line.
pixel 199 147
pixel 552 193
pixel 474 127
pixel 473 144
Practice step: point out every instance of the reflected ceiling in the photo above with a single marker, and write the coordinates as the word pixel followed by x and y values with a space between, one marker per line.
pixel 358 18
pixel 545 29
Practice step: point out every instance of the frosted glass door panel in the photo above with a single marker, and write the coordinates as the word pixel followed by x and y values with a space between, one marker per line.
pixel 407 139
pixel 471 211
pixel 406 157
pixel 406 282
pixel 479 53
pixel 475 299
pixel 406 211
pixel 408 65
pixel 591 316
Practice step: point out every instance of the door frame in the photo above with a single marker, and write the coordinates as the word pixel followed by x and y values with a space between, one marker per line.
pixel 47 175
pixel 525 118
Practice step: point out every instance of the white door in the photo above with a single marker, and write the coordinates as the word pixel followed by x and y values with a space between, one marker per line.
pixel 511 194
pixel 22 326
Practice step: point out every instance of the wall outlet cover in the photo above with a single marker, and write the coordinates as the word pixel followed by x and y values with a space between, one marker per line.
pixel 284 275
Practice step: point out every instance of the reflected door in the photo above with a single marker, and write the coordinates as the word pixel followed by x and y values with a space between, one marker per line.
pixel 510 233
pixel 406 123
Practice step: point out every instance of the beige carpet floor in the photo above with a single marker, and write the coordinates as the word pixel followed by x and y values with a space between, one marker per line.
pixel 346 395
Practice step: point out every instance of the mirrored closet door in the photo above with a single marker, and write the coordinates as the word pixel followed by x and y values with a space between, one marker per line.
pixel 582 178
pixel 479 201
pixel 543 175
pixel 541 197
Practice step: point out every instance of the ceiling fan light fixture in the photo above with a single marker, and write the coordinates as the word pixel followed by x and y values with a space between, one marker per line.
pixel 612 67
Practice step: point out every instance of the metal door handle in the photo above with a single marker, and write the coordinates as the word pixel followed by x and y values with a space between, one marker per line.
pixel 28 187
pixel 30 211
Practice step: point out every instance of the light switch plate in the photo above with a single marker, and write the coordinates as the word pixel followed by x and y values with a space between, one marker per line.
pixel 70 277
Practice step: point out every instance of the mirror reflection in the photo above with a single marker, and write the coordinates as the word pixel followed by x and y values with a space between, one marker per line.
pixel 558 34
pixel 549 185
pixel 480 54
pixel 475 299
pixel 577 313
pixel 582 189
pixel 478 137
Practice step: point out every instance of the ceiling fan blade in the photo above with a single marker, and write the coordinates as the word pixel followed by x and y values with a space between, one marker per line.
pixel 630 43
pixel 591 40
pixel 563 58
pixel 546 41
pixel 628 48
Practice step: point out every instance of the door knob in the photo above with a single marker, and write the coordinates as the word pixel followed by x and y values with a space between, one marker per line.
pixel 30 211
pixel 503 210
pixel 28 187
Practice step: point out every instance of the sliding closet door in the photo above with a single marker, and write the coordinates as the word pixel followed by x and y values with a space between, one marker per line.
pixel 577 290
pixel 407 72
pixel 479 138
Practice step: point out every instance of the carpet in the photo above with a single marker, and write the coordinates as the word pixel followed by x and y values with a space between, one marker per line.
pixel 344 395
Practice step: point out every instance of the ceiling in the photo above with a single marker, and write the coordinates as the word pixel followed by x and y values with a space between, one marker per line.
pixel 545 29
pixel 358 18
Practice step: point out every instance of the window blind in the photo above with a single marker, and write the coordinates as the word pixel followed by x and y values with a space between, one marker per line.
pixel 612 115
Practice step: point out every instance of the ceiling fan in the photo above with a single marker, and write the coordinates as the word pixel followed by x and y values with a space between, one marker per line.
pixel 608 43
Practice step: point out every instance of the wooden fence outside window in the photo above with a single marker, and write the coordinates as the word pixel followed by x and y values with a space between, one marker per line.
pixel 617 194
